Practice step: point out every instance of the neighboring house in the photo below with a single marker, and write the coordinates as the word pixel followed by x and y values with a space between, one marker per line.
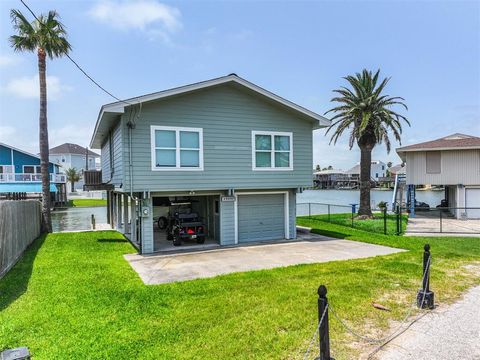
pixel 377 171
pixel 452 161
pixel 237 152
pixel 332 179
pixel 20 172
pixel 75 156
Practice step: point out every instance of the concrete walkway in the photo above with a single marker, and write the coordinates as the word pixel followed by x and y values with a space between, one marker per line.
pixel 452 332
pixel 203 264
pixel 424 226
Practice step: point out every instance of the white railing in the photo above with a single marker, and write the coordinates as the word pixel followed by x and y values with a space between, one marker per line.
pixel 22 177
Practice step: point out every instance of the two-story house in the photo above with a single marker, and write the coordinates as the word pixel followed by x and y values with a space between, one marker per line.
pixel 234 152
pixel 452 161
pixel 20 173
pixel 70 155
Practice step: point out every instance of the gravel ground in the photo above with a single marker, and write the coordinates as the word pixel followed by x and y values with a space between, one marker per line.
pixel 449 332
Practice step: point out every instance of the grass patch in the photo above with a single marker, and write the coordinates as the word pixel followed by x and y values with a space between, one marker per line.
pixel 86 202
pixel 371 225
pixel 74 296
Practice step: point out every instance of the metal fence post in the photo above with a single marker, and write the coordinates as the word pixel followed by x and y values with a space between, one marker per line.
pixel 309 209
pixel 323 331
pixel 425 297
pixel 328 212
pixel 93 222
pixel 385 220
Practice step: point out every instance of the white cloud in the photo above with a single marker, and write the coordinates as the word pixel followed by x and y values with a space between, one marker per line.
pixel 70 133
pixel 28 87
pixel 6 60
pixel 154 18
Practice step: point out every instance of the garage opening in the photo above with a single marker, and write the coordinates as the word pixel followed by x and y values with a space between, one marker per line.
pixel 261 217
pixel 186 222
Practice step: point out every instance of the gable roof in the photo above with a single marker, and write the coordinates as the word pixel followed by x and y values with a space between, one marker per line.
pixel 24 152
pixel 455 141
pixel 109 112
pixel 69 148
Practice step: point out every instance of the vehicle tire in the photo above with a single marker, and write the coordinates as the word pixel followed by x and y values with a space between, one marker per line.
pixel 162 223
pixel 201 240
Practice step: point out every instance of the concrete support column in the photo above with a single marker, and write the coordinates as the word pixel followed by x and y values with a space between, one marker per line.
pixel 119 212
pixel 126 226
pixel 113 210
pixel 109 207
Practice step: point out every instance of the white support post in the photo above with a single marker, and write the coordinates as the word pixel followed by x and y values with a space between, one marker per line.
pixel 126 226
pixel 119 212
pixel 133 221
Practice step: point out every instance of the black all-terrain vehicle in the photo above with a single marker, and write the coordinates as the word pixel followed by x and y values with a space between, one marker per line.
pixel 185 227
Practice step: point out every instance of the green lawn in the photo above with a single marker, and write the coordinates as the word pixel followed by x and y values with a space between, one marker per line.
pixel 87 202
pixel 74 296
pixel 371 225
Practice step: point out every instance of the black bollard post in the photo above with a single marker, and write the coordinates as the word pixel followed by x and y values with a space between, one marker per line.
pixel 385 220
pixel 323 331
pixel 425 297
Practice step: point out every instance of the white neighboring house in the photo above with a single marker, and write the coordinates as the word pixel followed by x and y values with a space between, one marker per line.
pixel 378 170
pixel 452 161
pixel 75 156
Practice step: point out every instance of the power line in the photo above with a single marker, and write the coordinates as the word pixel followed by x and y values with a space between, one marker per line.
pixel 76 64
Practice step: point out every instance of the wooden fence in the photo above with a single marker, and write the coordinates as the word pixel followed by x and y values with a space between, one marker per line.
pixel 19 225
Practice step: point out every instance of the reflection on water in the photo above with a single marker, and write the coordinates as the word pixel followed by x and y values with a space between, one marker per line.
pixel 72 219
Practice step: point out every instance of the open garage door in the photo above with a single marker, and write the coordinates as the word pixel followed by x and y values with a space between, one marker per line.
pixel 261 217
pixel 472 200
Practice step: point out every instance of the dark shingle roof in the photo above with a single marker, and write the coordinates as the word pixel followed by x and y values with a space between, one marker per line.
pixel 69 148
pixel 452 142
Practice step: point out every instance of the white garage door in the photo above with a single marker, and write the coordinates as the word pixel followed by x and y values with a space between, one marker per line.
pixel 472 200
pixel 261 217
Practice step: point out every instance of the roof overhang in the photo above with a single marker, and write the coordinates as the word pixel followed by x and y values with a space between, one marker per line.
pixel 110 113
pixel 402 152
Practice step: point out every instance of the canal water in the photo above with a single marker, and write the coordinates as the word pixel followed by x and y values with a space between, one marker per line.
pixel 343 199
pixel 79 218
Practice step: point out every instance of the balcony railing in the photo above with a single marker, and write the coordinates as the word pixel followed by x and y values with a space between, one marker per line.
pixel 22 177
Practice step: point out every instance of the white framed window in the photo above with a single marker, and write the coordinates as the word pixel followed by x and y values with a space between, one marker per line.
pixel 272 150
pixel 176 148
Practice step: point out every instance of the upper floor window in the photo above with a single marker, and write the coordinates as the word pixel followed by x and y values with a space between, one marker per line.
pixel 176 148
pixel 272 150
pixel 31 169
pixel 433 162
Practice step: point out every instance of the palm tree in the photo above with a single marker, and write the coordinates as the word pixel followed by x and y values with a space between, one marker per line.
pixel 47 36
pixel 368 116
pixel 72 176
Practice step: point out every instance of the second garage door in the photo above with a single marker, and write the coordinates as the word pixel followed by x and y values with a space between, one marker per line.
pixel 472 200
pixel 261 217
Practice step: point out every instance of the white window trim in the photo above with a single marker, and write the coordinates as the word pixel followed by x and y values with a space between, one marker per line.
pixel 272 151
pixel 177 130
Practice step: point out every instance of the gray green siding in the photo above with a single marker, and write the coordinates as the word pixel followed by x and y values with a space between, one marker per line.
pixel 227 116
pixel 227 223
pixel 116 158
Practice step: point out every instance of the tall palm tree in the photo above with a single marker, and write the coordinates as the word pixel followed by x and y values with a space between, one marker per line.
pixel 47 36
pixel 366 113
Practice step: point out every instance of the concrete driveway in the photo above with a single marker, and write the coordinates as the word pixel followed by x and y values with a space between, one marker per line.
pixel 425 226
pixel 159 269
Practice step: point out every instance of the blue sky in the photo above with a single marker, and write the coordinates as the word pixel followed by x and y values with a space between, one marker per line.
pixel 299 50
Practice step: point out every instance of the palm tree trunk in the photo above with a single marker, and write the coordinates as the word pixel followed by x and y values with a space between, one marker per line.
pixel 43 141
pixel 365 169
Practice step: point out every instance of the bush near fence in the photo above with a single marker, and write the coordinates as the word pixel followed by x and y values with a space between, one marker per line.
pixel 20 223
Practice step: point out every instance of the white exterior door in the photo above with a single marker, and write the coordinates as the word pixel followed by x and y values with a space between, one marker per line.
pixel 472 200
